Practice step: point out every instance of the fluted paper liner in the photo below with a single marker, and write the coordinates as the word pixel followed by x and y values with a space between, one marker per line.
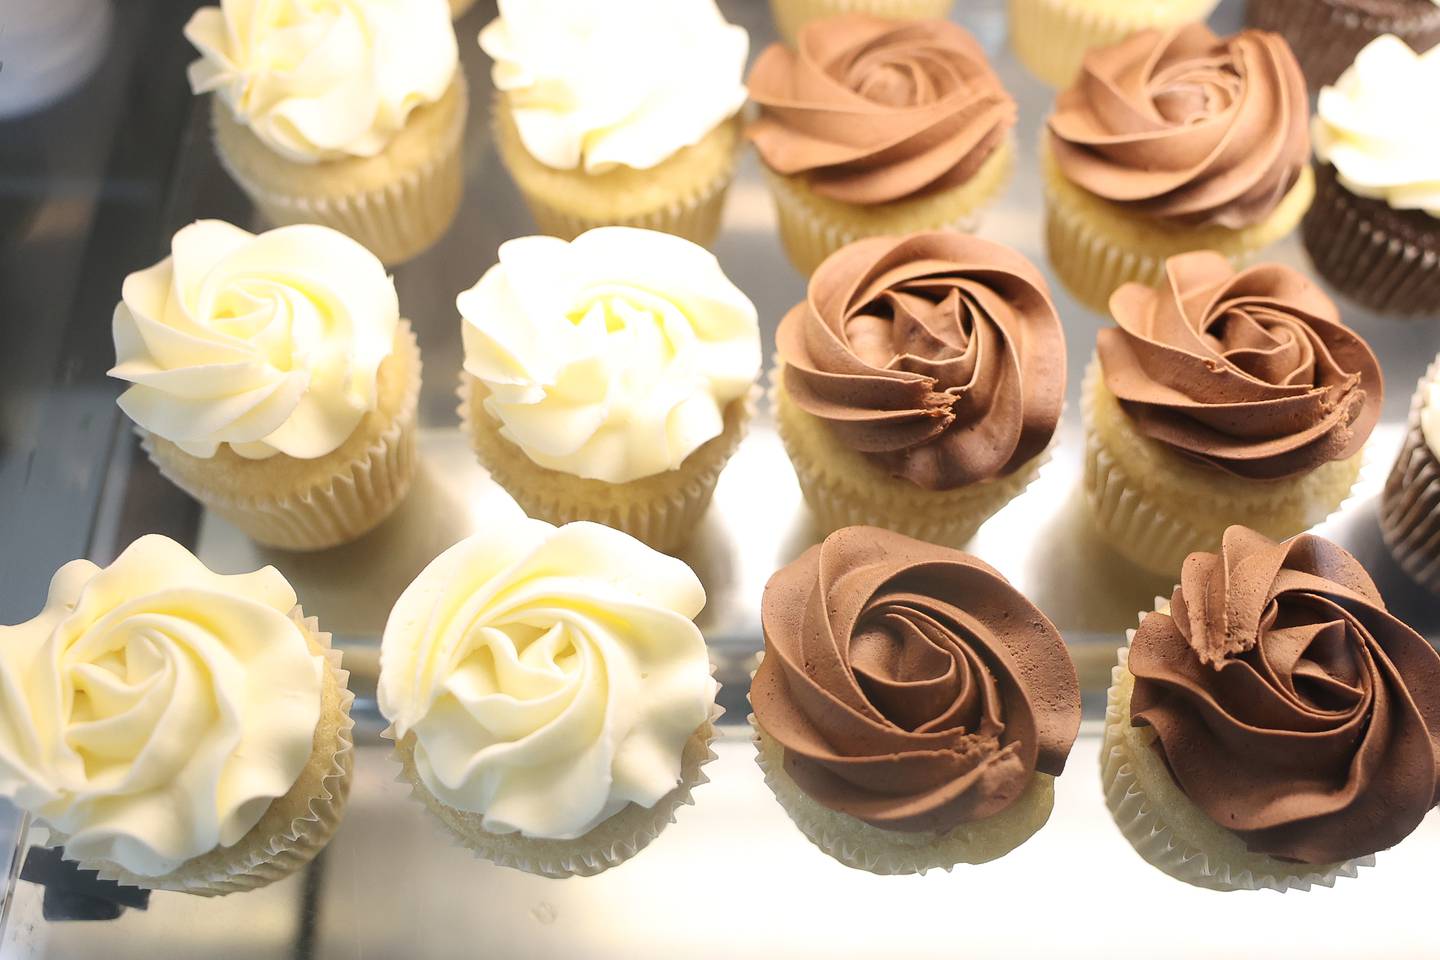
pixel 609 844
pixel 1096 246
pixel 296 827
pixel 812 227
pixel 1325 35
pixel 1051 37
pixel 1165 826
pixel 358 494
pixel 662 510
pixel 1410 504
pixel 843 489
pixel 396 221
pixel 458 8
pixel 693 215
pixel 1176 508
pixel 791 15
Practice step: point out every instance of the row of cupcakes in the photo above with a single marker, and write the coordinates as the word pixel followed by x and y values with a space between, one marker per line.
pixel 1270 725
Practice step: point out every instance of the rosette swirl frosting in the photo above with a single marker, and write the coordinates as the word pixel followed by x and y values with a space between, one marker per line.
pixel 320 80
pixel 873 110
pixel 1185 126
pixel 937 355
pixel 1252 372
pixel 550 676
pixel 911 685
pixel 1289 704
pixel 270 343
pixel 153 710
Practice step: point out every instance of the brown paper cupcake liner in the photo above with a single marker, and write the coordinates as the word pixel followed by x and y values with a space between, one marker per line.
pixel 1327 34
pixel 354 500
pixel 282 841
pixel 791 15
pixel 1051 37
pixel 1410 503
pixel 1166 828
pixel 661 510
pixel 1353 244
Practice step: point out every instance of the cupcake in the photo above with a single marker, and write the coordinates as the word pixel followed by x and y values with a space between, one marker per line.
pixel 791 15
pixel 919 384
pixel 619 113
pixel 1327 34
pixel 1374 231
pixel 349 115
pixel 549 695
pixel 458 8
pixel 173 728
pixel 272 379
pixel 609 378
pixel 1272 726
pixel 874 127
pixel 1051 37
pixel 1223 398
pixel 1173 141
pixel 1410 504
pixel 912 709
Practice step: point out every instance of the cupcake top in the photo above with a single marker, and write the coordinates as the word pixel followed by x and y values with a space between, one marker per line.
pixel 870 111
pixel 1379 126
pixel 938 356
pixel 549 676
pixel 611 357
pixel 269 343
pixel 623 83
pixel 1250 372
pixel 1186 127
pixel 153 710
pixel 911 685
pixel 318 80
pixel 1289 705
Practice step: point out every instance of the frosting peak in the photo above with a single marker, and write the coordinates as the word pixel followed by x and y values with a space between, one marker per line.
pixel 873 110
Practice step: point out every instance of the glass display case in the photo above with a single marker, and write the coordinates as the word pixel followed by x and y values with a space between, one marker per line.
pixel 91 188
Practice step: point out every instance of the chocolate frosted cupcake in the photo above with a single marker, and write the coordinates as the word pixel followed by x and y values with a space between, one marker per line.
pixel 1374 231
pixel 919 384
pixel 912 709
pixel 1273 726
pixel 874 127
pixel 1327 34
pixel 1222 398
pixel 1410 505
pixel 1170 142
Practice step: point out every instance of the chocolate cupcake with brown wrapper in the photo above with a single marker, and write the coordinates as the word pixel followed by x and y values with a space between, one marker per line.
pixel 1327 34
pixel 1410 503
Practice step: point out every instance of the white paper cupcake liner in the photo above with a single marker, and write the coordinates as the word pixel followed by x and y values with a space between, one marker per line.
pixel 1051 37
pixel 270 851
pixel 791 15
pixel 1166 828
pixel 361 494
pixel 1410 504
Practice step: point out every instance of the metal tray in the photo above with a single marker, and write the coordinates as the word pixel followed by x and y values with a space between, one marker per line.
pixel 732 876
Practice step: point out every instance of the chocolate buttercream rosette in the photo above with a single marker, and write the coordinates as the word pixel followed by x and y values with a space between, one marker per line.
pixel 1410 503
pixel 919 385
pixel 912 708
pixel 1223 397
pixel 1327 34
pixel 1271 726
pixel 871 127
pixel 1173 141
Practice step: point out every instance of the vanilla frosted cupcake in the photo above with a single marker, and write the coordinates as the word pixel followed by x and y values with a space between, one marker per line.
pixel 609 378
pixel 872 127
pixel 273 380
pixel 549 695
pixel 619 113
pixel 1172 141
pixel 1223 398
pixel 348 114
pixel 791 15
pixel 1410 505
pixel 919 384
pixel 913 708
pixel 1051 37
pixel 1272 726
pixel 173 728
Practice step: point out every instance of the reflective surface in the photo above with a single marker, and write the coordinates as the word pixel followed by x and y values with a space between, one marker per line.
pixel 731 875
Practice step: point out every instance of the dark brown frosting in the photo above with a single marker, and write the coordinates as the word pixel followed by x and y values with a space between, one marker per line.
pixel 873 110
pixel 911 686
pixel 1252 372
pixel 1289 705
pixel 938 355
pixel 1186 127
